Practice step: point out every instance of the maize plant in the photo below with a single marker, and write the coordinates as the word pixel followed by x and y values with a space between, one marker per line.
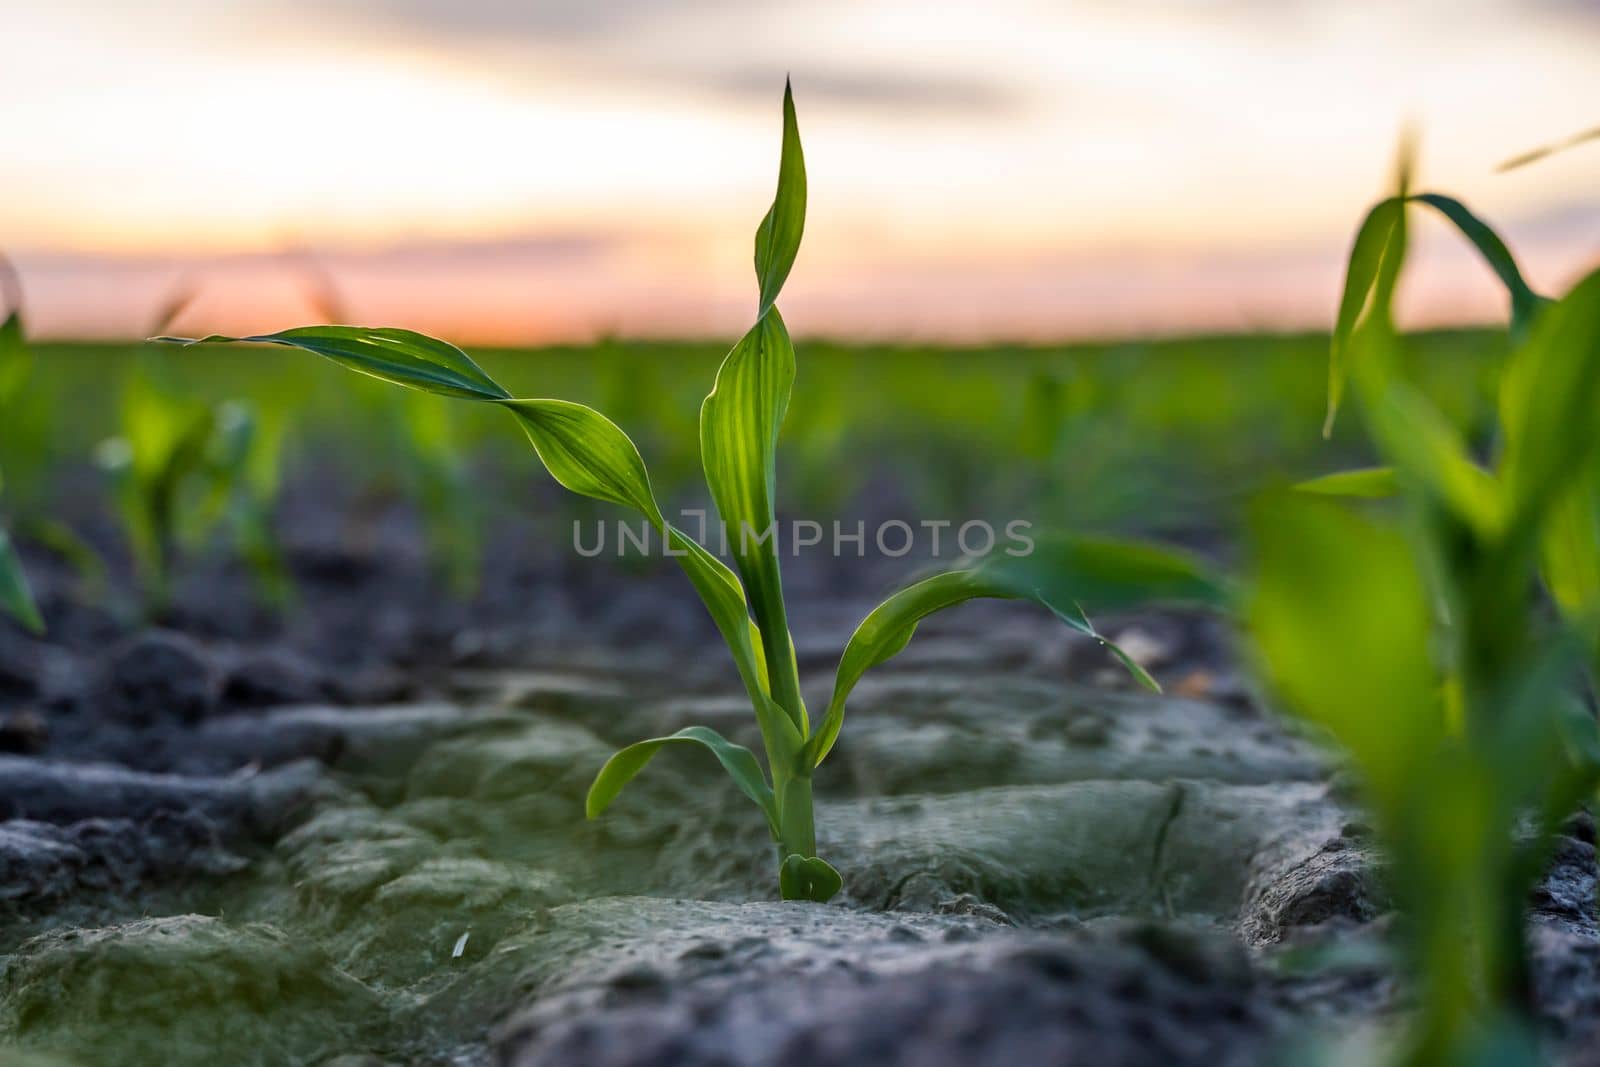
pixel 1417 635
pixel 739 423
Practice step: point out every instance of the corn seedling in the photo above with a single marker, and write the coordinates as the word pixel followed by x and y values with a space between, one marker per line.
pixel 434 464
pixel 180 468
pixel 16 363
pixel 739 422
pixel 1417 638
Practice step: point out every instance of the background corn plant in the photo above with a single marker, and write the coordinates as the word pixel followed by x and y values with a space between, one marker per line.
pixel 182 467
pixel 738 431
pixel 16 363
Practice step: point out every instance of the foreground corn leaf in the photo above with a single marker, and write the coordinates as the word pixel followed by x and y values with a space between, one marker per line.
pixel 1366 256
pixel 1342 623
pixel 1426 449
pixel 1063 575
pixel 1548 399
pixel 738 761
pixel 1374 246
pixel 1525 303
pixel 1369 482
pixel 1568 554
pixel 15 595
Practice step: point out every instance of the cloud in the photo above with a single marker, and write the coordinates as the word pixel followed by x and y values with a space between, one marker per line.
pixel 540 20
pixel 685 44
pixel 876 89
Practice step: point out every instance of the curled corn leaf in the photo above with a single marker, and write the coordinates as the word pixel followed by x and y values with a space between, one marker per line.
pixel 1375 246
pixel 738 761
pixel 778 236
pixel 1060 574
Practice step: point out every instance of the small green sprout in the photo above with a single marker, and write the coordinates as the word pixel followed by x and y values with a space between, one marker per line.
pixel 739 422
pixel 1418 642
pixel 16 363
pixel 443 490
pixel 181 468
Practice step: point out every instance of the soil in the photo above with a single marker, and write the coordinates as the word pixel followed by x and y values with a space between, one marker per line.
pixel 352 833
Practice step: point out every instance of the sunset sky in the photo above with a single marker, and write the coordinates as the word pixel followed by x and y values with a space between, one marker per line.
pixel 518 170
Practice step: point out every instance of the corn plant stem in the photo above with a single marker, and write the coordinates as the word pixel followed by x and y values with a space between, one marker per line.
pixel 773 622
pixel 796 828
pixel 796 822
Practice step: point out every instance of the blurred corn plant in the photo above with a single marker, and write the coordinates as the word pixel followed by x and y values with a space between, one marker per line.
pixel 182 468
pixel 738 433
pixel 434 464
pixel 1418 633
pixel 16 363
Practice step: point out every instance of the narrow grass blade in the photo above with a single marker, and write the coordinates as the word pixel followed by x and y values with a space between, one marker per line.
pixel 738 761
pixel 1369 482
pixel 1542 151
pixel 1061 575
pixel 16 597
pixel 1425 448
pixel 778 236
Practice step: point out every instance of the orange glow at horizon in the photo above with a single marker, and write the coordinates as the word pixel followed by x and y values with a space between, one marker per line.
pixel 531 172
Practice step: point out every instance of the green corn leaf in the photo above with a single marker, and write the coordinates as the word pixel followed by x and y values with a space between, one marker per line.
pixel 1370 254
pixel 738 761
pixel 1079 621
pixel 582 449
pixel 587 453
pixel 1569 553
pixel 1548 399
pixel 1361 275
pixel 402 357
pixel 1341 621
pixel 1370 482
pixel 1525 303
pixel 15 595
pixel 1060 574
pixel 724 598
pixel 739 423
pixel 1426 449
pixel 16 359
pixel 808 878
pixel 778 236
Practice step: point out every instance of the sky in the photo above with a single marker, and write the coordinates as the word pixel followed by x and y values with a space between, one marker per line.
pixel 503 171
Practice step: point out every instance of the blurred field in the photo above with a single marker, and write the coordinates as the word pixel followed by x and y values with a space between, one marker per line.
pixel 1160 435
